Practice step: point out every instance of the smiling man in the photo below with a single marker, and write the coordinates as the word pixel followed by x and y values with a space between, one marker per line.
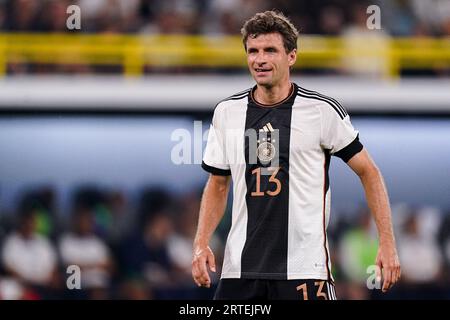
pixel 275 142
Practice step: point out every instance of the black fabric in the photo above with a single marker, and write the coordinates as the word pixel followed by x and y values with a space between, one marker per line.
pixel 326 187
pixel 327 168
pixel 215 171
pixel 250 289
pixel 349 151
pixel 264 255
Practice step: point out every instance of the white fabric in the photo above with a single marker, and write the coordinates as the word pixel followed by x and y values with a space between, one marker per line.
pixel 33 259
pixel 89 253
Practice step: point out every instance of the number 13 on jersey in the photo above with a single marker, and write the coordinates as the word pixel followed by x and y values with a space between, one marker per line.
pixel 273 181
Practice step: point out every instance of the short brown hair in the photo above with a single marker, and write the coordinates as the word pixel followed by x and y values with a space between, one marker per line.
pixel 269 22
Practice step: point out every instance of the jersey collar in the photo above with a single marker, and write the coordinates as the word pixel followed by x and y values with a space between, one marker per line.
pixel 288 101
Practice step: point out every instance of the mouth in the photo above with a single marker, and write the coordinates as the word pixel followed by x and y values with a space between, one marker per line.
pixel 262 71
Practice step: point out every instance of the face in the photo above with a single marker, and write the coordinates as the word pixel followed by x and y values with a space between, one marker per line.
pixel 267 59
pixel 85 222
pixel 28 225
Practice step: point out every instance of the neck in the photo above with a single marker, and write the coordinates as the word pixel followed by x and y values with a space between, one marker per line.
pixel 272 95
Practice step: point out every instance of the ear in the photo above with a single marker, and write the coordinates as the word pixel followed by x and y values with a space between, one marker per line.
pixel 292 57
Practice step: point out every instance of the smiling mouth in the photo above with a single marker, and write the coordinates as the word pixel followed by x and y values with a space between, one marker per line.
pixel 258 70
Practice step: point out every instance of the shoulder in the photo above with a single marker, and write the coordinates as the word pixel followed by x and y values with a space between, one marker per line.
pixel 238 98
pixel 325 103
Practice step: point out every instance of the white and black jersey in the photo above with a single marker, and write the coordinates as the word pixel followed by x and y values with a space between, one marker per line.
pixel 278 157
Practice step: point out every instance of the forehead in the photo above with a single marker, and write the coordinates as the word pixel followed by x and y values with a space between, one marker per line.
pixel 268 39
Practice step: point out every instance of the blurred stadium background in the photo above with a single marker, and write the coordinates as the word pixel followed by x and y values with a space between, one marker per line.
pixel 89 120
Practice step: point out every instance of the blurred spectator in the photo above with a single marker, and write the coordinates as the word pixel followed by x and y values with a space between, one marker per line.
pixel 22 15
pixel 357 251
pixel 180 244
pixel 366 48
pixel 52 16
pixel 304 14
pixel 95 199
pixel 331 20
pixel 146 252
pixel 122 217
pixel 152 200
pixel 89 252
pixel 398 17
pixel 432 13
pixel 420 257
pixel 29 257
pixel 42 201
pixel 174 17
pixel 227 16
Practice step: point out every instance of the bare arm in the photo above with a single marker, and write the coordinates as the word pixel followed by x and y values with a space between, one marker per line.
pixel 212 209
pixel 378 202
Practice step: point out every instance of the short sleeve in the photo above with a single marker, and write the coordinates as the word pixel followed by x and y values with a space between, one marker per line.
pixel 214 158
pixel 338 134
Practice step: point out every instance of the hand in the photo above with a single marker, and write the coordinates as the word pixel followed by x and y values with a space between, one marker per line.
pixel 388 263
pixel 202 257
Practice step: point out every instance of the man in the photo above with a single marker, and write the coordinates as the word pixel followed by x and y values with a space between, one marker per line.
pixel 275 141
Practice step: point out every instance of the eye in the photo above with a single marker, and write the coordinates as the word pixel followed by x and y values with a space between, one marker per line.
pixel 251 50
pixel 271 49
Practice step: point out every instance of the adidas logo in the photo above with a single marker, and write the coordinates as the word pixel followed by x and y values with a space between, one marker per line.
pixel 267 128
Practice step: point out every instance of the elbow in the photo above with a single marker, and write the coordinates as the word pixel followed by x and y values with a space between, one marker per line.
pixel 220 183
pixel 223 188
pixel 370 171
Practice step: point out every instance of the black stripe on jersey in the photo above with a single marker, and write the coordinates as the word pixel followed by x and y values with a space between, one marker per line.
pixel 239 98
pixel 238 95
pixel 350 150
pixel 215 171
pixel 327 167
pixel 336 103
pixel 326 186
pixel 326 97
pixel 326 101
pixel 242 92
pixel 265 252
pixel 342 114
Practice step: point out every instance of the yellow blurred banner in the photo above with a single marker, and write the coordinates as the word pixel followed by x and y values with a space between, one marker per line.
pixel 382 56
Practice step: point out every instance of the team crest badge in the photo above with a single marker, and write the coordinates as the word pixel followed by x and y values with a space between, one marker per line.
pixel 266 150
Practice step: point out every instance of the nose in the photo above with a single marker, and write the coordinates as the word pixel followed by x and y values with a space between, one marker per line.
pixel 260 58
